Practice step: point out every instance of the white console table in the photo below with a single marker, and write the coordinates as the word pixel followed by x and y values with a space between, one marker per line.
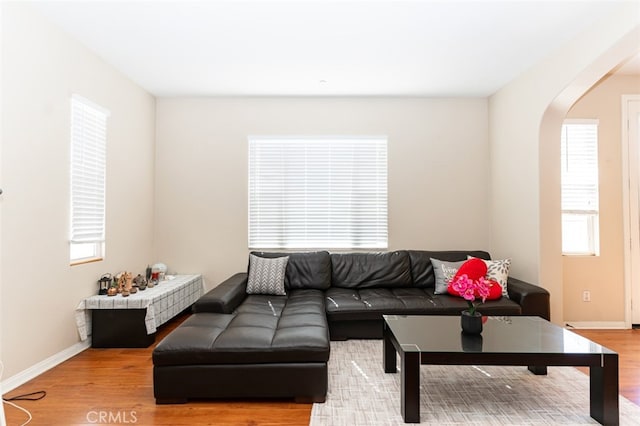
pixel 116 321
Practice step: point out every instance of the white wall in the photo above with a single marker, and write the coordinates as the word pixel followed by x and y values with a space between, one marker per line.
pixel 524 133
pixel 41 68
pixel 438 170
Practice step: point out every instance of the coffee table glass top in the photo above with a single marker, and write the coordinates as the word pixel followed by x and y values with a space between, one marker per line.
pixel 514 334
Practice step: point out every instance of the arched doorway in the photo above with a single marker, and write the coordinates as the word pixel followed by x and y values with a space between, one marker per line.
pixel 549 165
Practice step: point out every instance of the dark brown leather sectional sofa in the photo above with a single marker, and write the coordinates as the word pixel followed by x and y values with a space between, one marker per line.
pixel 252 346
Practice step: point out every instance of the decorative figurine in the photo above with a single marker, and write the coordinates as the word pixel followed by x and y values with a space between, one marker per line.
pixel 121 281
pixel 128 281
pixel 140 282
pixel 125 283
pixel 113 290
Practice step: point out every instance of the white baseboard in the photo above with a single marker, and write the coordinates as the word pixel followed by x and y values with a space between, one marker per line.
pixel 34 371
pixel 605 325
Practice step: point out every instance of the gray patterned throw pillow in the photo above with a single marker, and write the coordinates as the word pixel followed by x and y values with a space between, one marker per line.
pixel 444 272
pixel 266 276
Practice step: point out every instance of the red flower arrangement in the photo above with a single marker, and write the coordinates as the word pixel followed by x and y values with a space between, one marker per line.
pixel 471 289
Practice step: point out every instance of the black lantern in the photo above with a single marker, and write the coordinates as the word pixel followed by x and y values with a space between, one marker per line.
pixel 104 282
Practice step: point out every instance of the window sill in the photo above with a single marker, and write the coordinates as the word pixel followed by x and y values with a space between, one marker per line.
pixel 84 261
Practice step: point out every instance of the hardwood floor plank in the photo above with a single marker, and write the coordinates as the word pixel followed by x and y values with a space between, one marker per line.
pixel 627 344
pixel 119 383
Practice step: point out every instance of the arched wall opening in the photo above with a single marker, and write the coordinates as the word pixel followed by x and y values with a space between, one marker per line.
pixel 525 118
pixel 550 260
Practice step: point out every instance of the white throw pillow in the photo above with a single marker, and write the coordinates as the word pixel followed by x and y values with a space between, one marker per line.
pixel 266 275
pixel 498 270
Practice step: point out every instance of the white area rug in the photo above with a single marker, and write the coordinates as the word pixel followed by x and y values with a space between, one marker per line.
pixel 360 393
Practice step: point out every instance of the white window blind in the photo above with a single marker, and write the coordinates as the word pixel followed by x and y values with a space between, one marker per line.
pixel 88 170
pixel 580 201
pixel 327 192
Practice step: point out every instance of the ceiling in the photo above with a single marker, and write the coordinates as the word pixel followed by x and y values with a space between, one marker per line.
pixel 325 48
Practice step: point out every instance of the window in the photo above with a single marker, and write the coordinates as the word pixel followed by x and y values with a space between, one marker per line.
pixel 318 192
pixel 88 168
pixel 580 206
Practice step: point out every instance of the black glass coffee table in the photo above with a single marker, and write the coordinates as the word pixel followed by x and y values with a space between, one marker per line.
pixel 527 341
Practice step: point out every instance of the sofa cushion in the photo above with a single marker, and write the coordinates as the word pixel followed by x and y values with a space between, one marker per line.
pixel 371 270
pixel 305 269
pixel 422 269
pixel 264 329
pixel 371 304
pixel 452 305
pixel 266 276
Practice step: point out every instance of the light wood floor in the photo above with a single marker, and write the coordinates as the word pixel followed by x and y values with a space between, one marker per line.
pixel 117 384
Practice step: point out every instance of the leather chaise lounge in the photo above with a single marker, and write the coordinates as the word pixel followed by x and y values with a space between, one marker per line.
pixel 266 346
pixel 239 345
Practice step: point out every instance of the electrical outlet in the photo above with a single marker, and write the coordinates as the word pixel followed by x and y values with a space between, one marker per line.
pixel 586 296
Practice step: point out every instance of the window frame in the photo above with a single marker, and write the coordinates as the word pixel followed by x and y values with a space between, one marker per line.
pixel 591 216
pixel 88 139
pixel 286 223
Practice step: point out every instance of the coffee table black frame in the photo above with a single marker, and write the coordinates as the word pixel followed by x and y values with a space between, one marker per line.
pixel 427 340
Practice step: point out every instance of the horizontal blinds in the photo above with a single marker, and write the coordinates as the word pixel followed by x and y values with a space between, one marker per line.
pixel 318 192
pixel 88 169
pixel 579 158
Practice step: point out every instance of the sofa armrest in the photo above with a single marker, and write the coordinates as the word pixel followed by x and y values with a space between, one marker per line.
pixel 533 299
pixel 225 298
